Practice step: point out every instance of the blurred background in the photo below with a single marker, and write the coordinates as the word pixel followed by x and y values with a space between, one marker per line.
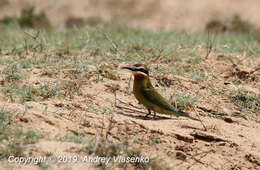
pixel 189 15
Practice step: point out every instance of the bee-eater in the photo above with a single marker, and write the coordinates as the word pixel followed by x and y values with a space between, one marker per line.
pixel 146 94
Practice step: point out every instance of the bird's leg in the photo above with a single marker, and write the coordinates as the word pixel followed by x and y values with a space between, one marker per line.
pixel 154 114
pixel 149 112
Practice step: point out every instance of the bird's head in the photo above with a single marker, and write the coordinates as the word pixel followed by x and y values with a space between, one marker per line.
pixel 139 70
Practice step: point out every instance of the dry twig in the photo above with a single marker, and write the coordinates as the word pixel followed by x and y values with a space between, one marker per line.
pixel 38 42
pixel 210 44
pixel 199 119
pixel 205 153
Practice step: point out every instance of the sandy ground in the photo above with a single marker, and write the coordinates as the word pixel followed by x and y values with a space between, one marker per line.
pixel 217 143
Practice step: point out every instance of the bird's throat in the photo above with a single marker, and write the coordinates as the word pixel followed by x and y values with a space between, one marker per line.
pixel 139 77
pixel 141 82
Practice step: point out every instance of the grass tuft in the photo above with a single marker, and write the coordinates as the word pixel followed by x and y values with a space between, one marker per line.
pixel 182 101
pixel 248 104
pixel 13 139
pixel 74 138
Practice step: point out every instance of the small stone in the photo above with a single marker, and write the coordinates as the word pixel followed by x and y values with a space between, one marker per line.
pixel 228 119
pixel 222 144
pixel 181 155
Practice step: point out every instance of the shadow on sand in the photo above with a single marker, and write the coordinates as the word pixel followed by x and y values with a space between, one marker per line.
pixel 144 117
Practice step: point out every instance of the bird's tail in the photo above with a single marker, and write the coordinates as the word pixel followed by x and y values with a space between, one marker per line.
pixel 181 113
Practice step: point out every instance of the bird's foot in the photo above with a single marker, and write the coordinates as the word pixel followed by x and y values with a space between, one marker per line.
pixel 147 115
pixel 154 116
pixel 149 112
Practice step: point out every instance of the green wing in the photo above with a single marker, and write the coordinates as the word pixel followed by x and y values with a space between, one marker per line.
pixel 155 98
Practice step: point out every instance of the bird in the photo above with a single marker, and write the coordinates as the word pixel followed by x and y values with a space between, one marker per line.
pixel 147 95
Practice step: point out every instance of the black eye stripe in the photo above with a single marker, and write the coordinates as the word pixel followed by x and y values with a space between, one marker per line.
pixel 142 70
